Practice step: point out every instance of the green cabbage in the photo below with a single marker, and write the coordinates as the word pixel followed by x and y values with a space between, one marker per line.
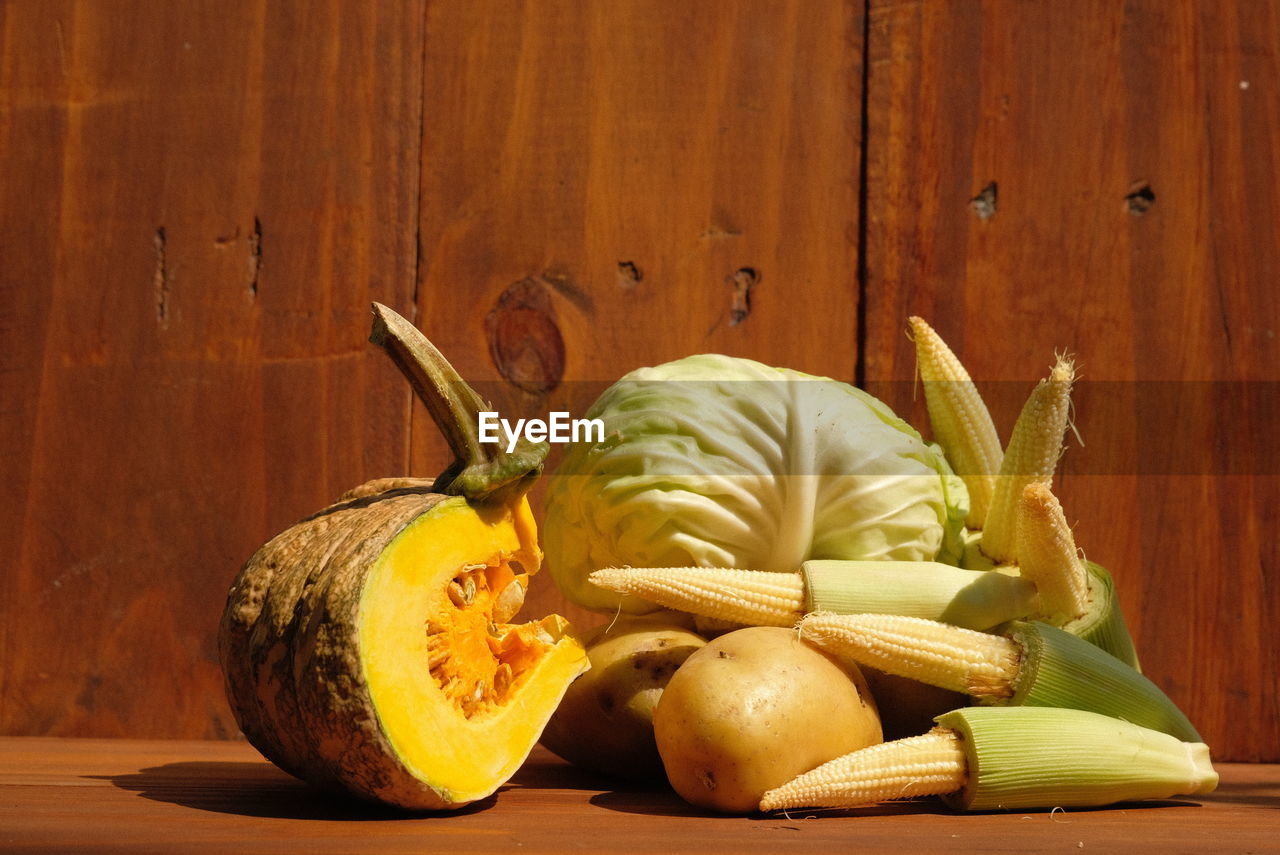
pixel 717 461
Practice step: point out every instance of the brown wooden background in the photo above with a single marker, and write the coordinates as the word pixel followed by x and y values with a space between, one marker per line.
pixel 199 200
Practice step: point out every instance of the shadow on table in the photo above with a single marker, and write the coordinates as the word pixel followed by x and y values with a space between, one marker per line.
pixel 664 802
pixel 667 803
pixel 1260 794
pixel 543 771
pixel 256 789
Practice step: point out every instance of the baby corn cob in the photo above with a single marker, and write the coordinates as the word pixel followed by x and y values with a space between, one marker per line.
pixel 1029 664
pixel 1011 758
pixel 970 598
pixel 974 599
pixel 1077 595
pixel 960 419
pixel 1032 456
pixel 1103 624
pixel 748 597
pixel 1047 556
pixel 962 660
pixel 926 765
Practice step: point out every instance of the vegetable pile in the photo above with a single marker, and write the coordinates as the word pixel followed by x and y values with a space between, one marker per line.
pixel 748 496
pixel 792 576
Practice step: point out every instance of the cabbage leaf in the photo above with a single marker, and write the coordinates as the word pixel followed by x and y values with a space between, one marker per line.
pixel 719 461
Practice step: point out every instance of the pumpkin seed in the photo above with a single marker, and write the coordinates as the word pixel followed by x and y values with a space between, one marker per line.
pixel 469 590
pixel 502 679
pixel 508 602
pixel 456 595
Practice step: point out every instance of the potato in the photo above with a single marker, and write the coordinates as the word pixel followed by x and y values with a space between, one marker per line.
pixel 605 721
pixel 753 709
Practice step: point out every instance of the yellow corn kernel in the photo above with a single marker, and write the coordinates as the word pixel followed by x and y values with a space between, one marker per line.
pixel 746 597
pixel 930 764
pixel 961 660
pixel 1047 555
pixel 1031 457
pixel 960 419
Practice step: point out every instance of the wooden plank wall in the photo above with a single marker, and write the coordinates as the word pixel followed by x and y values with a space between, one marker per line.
pixel 197 209
pixel 1134 150
pixel 629 171
pixel 198 204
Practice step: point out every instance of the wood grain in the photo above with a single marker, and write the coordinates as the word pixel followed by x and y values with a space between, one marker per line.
pixel 197 208
pixel 1133 149
pixel 638 165
pixel 138 796
pixel 199 201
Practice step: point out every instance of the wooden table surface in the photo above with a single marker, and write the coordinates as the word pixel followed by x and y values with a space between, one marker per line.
pixel 77 795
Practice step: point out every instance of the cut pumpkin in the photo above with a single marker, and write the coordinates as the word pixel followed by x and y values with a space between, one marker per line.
pixel 369 648
pixel 461 730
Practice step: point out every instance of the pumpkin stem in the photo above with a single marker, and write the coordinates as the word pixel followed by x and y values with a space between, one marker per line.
pixel 480 471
